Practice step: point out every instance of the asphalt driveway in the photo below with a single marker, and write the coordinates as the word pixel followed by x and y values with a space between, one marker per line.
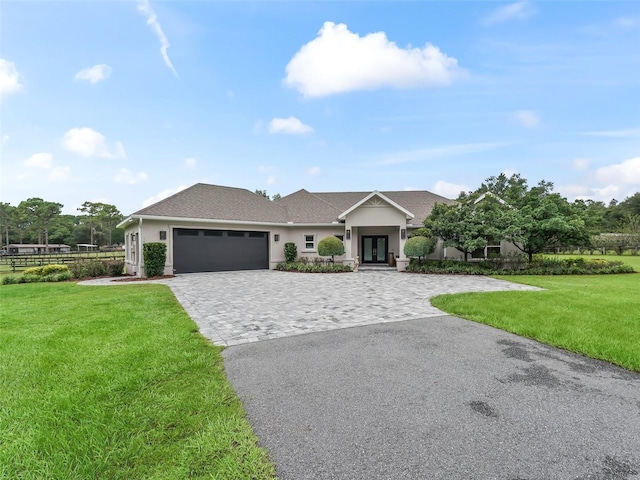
pixel 436 398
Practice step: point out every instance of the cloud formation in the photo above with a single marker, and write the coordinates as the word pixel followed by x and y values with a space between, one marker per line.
pixel 626 172
pixel 86 142
pixel 513 11
pixel 9 78
pixel 313 171
pixel 152 20
pixel 526 118
pixel 291 126
pixel 190 162
pixel 127 177
pixel 162 195
pixel 59 174
pixel 442 151
pixel 94 74
pixel 449 190
pixel 339 61
pixel 39 160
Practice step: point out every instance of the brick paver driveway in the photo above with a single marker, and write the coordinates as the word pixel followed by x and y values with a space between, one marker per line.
pixel 232 308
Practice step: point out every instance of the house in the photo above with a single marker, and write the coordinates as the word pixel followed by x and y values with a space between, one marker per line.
pixel 217 228
pixel 35 248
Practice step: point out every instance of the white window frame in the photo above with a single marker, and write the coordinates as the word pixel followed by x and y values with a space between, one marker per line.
pixel 492 245
pixel 306 242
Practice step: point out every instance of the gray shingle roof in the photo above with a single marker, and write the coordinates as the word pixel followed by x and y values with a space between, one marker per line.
pixel 229 203
pixel 216 202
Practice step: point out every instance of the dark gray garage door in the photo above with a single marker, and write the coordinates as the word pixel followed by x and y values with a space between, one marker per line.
pixel 219 250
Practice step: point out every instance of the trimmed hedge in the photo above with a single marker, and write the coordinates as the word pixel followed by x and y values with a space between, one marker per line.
pixel 155 257
pixel 569 266
pixel 46 270
pixel 313 267
pixel 290 252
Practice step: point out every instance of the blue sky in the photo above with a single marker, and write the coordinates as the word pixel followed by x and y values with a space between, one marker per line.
pixel 126 102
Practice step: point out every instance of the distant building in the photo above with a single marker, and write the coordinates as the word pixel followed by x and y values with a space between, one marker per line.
pixel 35 248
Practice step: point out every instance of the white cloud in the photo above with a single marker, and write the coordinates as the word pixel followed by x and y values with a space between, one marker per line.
pixel 513 11
pixel 5 139
pixel 271 180
pixel 9 78
pixel 339 61
pixel 624 133
pixel 94 74
pixel 628 22
pixel 449 190
pixel 127 177
pixel 313 171
pixel 162 195
pixel 40 160
pixel 434 153
pixel 86 142
pixel 526 118
pixel 580 163
pixel 289 125
pixel 59 174
pixel 190 162
pixel 626 172
pixel 152 21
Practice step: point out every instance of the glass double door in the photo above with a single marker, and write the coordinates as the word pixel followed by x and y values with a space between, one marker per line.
pixel 374 248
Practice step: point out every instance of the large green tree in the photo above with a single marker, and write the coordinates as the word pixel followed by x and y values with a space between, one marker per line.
pixel 7 217
pixel 100 219
pixel 40 213
pixel 539 219
pixel 470 222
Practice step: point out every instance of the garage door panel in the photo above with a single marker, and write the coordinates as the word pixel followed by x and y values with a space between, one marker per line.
pixel 217 250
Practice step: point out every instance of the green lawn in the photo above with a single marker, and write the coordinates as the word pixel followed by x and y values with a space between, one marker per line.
pixel 115 382
pixel 596 315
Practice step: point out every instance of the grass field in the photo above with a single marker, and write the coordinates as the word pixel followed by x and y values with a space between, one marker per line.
pixel 115 382
pixel 595 315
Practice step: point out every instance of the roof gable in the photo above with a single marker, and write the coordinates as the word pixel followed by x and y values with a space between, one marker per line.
pixel 373 194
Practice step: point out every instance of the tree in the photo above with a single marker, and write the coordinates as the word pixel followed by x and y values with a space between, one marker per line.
pixel 101 218
pixel 330 246
pixel 7 214
pixel 41 214
pixel 277 196
pixel 469 223
pixel 419 246
pixel 538 218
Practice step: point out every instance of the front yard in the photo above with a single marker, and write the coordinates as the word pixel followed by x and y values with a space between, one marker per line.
pixel 598 316
pixel 115 382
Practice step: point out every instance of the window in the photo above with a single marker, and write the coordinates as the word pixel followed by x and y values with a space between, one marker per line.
pixel 188 232
pixel 213 233
pixel 490 251
pixel 235 234
pixel 257 234
pixel 309 242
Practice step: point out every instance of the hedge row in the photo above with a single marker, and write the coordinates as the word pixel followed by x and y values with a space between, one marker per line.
pixel 313 267
pixel 61 273
pixel 569 266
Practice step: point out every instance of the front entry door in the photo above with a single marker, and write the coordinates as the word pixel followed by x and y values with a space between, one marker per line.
pixel 374 248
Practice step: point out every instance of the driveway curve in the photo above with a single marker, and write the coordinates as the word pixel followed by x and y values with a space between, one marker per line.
pixel 232 308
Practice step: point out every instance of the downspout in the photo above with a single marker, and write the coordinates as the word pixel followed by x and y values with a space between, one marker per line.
pixel 139 247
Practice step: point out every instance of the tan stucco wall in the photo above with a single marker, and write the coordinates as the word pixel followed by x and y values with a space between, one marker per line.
pixel 296 234
pixel 375 220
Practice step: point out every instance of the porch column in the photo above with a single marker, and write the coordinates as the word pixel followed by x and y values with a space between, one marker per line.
pixel 402 262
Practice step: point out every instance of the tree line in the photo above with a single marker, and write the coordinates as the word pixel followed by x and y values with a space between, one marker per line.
pixel 37 221
pixel 535 219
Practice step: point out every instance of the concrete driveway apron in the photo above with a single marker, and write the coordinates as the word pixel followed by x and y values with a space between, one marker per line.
pixel 412 393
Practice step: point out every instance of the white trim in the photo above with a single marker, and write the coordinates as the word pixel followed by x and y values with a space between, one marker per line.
pixel 162 218
pixel 371 195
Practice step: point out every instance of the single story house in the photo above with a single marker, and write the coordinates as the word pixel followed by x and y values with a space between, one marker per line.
pixel 216 228
pixel 35 248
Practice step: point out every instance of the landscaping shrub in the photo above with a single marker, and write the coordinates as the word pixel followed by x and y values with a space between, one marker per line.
pixel 114 268
pixel 37 271
pixel 303 260
pixel 54 268
pixel 10 280
pixel 155 257
pixel 419 246
pixel 540 266
pixel 313 268
pixel 87 269
pixel 290 252
pixel 330 247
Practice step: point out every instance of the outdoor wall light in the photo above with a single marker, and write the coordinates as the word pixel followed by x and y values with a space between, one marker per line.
pixel 403 233
pixel 348 234
pixel 163 234
pixel 276 237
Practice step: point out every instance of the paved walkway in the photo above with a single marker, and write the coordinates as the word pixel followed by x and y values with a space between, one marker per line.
pixel 232 308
